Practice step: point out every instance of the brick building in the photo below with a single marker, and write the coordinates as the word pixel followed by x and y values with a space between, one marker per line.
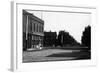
pixel 33 30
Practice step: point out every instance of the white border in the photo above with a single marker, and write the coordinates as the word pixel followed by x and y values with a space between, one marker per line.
pixel 17 64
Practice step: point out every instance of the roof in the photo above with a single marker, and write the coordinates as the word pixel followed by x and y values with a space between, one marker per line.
pixel 33 16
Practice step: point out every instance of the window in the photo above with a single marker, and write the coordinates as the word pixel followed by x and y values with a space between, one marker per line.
pixel 30 26
pixel 42 29
pixel 37 27
pixel 34 27
pixel 32 37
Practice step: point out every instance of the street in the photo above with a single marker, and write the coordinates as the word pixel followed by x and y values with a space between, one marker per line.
pixel 52 55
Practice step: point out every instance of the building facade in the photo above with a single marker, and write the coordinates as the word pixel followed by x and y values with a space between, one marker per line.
pixel 33 30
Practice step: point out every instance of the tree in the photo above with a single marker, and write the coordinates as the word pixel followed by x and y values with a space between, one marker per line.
pixel 65 39
pixel 86 38
pixel 49 38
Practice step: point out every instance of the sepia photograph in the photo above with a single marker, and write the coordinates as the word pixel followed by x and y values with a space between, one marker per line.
pixel 49 35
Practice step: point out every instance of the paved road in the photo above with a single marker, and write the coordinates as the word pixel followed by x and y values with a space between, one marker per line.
pixel 34 56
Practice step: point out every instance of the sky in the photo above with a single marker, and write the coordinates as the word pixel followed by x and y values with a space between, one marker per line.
pixel 74 23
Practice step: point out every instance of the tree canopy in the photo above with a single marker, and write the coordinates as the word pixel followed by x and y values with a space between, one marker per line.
pixel 86 38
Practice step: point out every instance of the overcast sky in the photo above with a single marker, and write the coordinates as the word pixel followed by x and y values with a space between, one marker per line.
pixel 74 23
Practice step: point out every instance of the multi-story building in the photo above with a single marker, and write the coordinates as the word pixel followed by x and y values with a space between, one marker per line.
pixel 33 28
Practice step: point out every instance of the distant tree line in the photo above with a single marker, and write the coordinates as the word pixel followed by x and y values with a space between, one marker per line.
pixel 62 39
pixel 65 39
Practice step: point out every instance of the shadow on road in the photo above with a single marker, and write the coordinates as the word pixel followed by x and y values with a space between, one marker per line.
pixel 80 55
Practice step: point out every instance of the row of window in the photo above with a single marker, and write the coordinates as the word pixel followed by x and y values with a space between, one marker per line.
pixel 37 38
pixel 34 27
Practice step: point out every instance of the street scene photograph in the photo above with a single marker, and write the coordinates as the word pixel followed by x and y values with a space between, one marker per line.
pixel 49 35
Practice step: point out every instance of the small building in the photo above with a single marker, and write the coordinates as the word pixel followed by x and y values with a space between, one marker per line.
pixel 33 30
